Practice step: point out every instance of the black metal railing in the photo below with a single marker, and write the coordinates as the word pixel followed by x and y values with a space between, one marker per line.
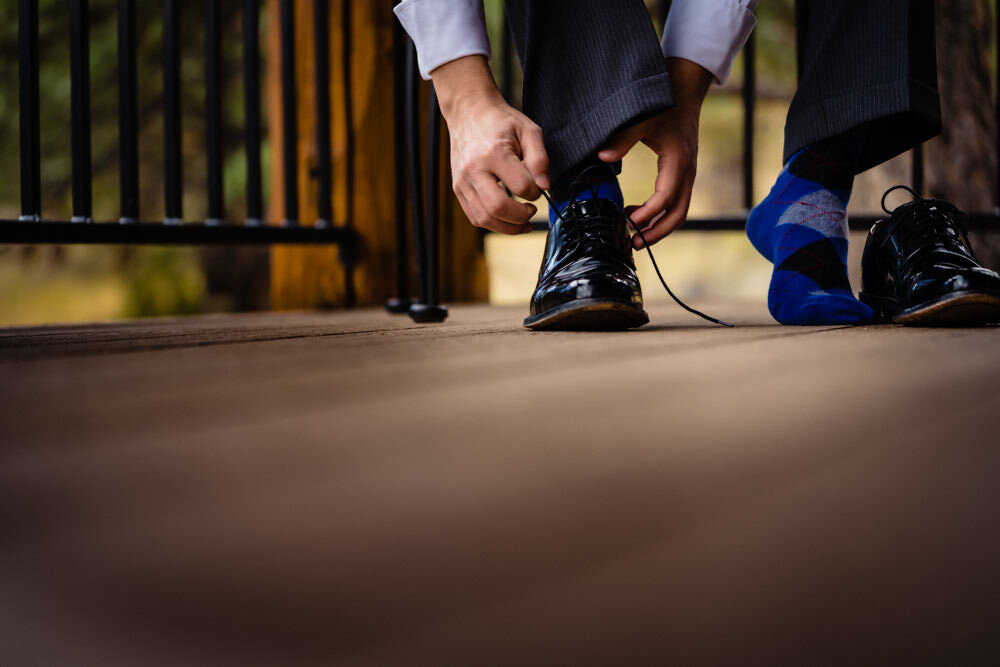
pixel 417 171
pixel 133 225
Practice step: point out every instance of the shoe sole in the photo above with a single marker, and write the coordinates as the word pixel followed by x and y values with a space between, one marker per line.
pixel 588 315
pixel 957 309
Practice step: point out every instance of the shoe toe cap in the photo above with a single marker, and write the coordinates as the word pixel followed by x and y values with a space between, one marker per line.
pixel 623 289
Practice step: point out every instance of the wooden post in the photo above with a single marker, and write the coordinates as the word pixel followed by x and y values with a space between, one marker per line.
pixel 305 277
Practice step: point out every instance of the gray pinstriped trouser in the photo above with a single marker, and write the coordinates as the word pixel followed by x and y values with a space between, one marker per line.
pixel 594 66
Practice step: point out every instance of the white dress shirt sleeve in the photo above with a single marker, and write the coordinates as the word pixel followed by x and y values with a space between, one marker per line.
pixel 709 32
pixel 444 30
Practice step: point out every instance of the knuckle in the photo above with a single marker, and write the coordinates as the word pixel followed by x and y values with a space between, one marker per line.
pixel 520 184
pixel 539 160
pixel 496 151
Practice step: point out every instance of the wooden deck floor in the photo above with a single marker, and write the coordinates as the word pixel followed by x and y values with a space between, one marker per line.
pixel 351 488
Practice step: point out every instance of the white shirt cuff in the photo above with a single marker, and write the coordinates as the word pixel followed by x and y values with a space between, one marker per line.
pixel 709 32
pixel 444 30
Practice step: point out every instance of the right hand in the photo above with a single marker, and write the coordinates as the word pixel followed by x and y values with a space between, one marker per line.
pixel 490 143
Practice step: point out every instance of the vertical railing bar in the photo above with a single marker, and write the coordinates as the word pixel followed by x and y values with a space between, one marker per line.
pixel 996 107
pixel 288 111
pixel 80 110
pixel 433 196
pixel 31 145
pixel 749 95
pixel 664 11
pixel 128 113
pixel 251 111
pixel 413 152
pixel 346 20
pixel 801 25
pixel 399 75
pixel 173 170
pixel 324 167
pixel 213 113
pixel 507 59
pixel 917 177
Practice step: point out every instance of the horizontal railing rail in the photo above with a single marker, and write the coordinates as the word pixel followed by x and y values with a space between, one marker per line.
pixel 133 226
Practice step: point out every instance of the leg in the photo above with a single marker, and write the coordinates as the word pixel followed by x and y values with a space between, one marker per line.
pixel 870 68
pixel 868 92
pixel 590 68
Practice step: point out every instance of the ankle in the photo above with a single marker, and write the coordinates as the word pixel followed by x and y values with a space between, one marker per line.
pixel 590 181
pixel 831 163
pixel 589 174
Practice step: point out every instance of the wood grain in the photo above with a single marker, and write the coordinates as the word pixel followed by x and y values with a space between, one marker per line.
pixel 304 277
pixel 352 488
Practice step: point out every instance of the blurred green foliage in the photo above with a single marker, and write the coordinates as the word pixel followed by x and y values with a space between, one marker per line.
pixel 162 281
pixel 155 281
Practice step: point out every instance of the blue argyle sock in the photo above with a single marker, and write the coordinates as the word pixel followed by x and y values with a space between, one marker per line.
pixel 801 227
pixel 606 188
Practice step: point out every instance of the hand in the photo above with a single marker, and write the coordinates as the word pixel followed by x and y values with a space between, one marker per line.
pixel 489 140
pixel 673 136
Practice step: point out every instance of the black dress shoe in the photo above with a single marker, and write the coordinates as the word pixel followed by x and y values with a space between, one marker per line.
pixel 919 269
pixel 587 280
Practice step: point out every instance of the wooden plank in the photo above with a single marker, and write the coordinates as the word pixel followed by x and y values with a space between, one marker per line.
pixel 392 494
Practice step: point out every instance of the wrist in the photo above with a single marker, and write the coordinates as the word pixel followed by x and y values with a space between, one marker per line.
pixel 464 84
pixel 690 83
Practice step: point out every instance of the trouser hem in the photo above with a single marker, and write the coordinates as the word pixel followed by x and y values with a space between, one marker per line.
pixel 580 140
pixel 908 113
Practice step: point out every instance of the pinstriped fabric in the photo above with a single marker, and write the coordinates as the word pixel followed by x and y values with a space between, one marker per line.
pixel 867 64
pixel 590 68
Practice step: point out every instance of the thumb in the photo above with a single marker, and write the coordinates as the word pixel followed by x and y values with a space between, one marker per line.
pixel 620 144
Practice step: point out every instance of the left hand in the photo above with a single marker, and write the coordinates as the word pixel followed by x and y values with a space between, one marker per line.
pixel 673 136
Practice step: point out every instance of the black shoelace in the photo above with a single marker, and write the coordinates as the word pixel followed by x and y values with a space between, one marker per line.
pixel 574 190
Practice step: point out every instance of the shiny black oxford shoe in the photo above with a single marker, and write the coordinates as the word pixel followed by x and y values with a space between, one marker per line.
pixel 918 269
pixel 587 281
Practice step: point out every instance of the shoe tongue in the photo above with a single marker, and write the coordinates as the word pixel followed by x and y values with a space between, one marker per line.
pixel 604 208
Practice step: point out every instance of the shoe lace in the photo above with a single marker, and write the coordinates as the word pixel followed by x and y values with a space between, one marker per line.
pixel 583 231
pixel 924 227
pixel 586 232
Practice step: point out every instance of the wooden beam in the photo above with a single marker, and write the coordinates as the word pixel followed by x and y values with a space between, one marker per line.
pixel 314 277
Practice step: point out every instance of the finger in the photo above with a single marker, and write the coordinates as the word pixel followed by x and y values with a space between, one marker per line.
pixel 480 218
pixel 621 143
pixel 496 203
pixel 536 160
pixel 517 177
pixel 669 221
pixel 668 184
